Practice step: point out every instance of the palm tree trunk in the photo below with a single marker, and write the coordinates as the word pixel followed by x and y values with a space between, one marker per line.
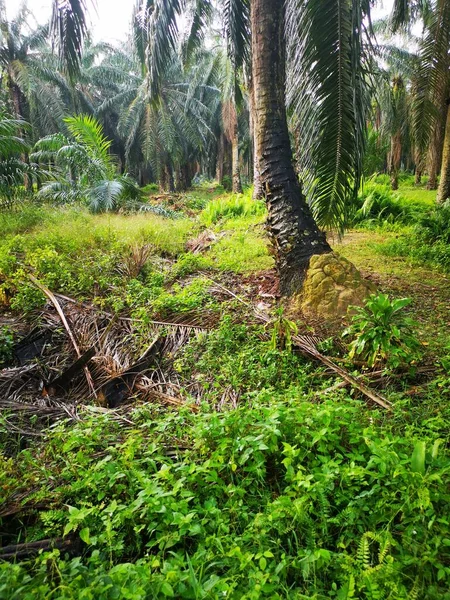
pixel 236 175
pixel 394 159
pixel 418 175
pixel 444 184
pixel 220 159
pixel 294 234
pixel 257 186
pixel 435 151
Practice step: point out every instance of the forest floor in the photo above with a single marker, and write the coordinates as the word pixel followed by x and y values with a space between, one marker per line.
pixel 198 458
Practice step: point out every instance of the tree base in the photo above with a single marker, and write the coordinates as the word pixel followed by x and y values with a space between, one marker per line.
pixel 331 285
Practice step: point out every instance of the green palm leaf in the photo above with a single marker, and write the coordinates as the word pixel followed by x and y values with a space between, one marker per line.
pixel 327 90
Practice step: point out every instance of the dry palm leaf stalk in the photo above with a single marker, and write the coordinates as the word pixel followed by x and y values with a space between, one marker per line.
pixel 60 312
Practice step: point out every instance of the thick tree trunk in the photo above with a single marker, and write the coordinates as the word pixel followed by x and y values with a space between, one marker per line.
pixel 294 234
pixel 236 175
pixel 258 193
pixel 444 184
pixel 435 151
pixel 220 159
pixel 169 178
pixel 418 175
pixel 394 159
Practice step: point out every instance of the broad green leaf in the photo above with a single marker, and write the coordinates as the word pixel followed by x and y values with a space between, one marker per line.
pixel 418 458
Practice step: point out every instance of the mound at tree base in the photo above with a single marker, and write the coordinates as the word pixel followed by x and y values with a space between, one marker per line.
pixel 331 285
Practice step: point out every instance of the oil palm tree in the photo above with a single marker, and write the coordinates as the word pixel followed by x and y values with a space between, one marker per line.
pixel 395 124
pixel 20 39
pixel 431 101
pixel 14 171
pixel 329 37
pixel 87 170
pixel 168 124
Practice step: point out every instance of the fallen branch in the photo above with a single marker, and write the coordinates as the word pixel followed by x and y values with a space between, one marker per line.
pixel 27 550
pixel 51 296
pixel 62 382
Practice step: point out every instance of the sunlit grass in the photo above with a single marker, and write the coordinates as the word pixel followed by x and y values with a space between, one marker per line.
pixel 418 194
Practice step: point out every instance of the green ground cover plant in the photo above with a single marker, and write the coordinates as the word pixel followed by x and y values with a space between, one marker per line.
pixel 271 486
pixel 278 499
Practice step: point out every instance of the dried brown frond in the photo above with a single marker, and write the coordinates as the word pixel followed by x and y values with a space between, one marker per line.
pixel 134 261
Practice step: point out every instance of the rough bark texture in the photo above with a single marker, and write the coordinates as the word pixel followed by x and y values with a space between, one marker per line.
pixel 394 160
pixel 444 184
pixel 331 286
pixel 434 158
pixel 294 234
pixel 418 175
pixel 258 193
pixel 237 185
pixel 435 153
pixel 220 159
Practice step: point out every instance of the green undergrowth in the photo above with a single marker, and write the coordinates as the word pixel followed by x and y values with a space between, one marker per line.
pixel 79 254
pixel 378 205
pixel 229 207
pixel 422 229
pixel 242 250
pixel 276 499
pixel 271 488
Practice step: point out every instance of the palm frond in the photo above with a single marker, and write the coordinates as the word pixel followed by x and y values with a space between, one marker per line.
pixel 327 90
pixel 156 35
pixel 69 29
pixel 88 132
pixel 432 77
pixel 199 14
pixel 236 19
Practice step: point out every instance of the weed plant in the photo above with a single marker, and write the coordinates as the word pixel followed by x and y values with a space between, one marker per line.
pixel 238 205
pixel 279 499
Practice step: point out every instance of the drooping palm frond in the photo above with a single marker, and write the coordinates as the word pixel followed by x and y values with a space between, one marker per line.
pixel 406 12
pixel 199 14
pixel 13 167
pixel 156 35
pixel 87 131
pixel 432 77
pixel 69 29
pixel 10 142
pixel 327 91
pixel 236 19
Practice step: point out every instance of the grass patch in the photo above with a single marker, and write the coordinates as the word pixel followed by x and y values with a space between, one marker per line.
pixel 243 251
pixel 231 207
pixel 418 195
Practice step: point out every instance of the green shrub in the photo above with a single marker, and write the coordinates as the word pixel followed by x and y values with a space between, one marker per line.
pixel 189 263
pixel 417 251
pixel 435 226
pixel 227 183
pixel 150 188
pixel 234 356
pixel 383 334
pixel 183 298
pixel 278 500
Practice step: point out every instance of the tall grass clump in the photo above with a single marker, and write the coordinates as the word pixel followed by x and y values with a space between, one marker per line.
pixel 428 242
pixel 377 205
pixel 229 207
